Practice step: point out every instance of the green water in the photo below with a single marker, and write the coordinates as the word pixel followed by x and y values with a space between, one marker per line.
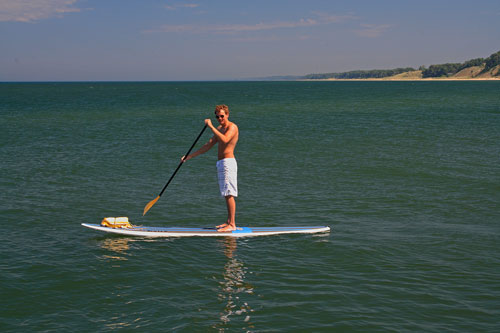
pixel 406 174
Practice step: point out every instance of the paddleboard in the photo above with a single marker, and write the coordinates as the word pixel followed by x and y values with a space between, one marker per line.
pixel 206 232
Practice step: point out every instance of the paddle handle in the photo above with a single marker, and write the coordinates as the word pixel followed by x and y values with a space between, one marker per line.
pixel 182 162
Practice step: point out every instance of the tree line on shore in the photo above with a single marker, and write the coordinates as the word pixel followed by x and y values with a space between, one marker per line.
pixel 441 70
pixel 359 74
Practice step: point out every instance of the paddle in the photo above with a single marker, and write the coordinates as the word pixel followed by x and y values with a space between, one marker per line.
pixel 152 202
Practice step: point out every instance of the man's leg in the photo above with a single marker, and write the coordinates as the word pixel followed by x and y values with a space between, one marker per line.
pixel 231 213
pixel 231 210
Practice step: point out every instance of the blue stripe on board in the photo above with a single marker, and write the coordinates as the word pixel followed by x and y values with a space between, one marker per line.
pixel 242 230
pixel 172 229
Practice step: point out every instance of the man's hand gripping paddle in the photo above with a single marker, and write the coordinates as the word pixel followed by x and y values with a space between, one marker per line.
pixel 152 202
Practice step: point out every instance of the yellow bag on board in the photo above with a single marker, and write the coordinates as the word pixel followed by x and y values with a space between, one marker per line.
pixel 116 222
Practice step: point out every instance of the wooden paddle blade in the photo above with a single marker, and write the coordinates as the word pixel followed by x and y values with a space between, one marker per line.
pixel 150 204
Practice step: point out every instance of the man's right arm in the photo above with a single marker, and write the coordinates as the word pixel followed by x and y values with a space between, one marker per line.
pixel 206 147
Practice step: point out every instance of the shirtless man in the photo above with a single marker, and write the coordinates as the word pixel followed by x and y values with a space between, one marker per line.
pixel 226 135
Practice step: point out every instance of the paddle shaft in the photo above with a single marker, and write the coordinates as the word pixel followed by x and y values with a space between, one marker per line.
pixel 182 162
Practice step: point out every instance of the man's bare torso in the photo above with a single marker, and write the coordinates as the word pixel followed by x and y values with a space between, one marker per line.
pixel 226 150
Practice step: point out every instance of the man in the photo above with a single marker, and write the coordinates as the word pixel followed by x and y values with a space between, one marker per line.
pixel 226 136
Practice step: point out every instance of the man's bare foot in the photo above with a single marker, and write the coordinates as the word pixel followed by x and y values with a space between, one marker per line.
pixel 227 228
pixel 221 226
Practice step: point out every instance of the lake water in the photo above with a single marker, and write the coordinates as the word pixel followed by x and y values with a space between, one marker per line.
pixel 406 174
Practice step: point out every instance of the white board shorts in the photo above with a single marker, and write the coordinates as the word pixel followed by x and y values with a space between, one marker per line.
pixel 227 172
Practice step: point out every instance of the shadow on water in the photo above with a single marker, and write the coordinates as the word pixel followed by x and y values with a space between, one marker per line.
pixel 117 246
pixel 233 293
pixel 233 290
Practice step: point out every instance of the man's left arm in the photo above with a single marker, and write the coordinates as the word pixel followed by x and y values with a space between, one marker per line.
pixel 224 138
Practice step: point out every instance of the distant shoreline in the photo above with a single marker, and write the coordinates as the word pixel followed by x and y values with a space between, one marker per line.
pixel 413 79
pixel 479 69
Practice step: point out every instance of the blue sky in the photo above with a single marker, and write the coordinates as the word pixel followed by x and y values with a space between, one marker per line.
pixel 115 40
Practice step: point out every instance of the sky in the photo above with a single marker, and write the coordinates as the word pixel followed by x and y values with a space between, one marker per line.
pixel 163 40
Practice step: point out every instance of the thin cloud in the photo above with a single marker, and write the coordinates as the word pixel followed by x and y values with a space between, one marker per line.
pixel 182 5
pixel 258 39
pixel 320 19
pixel 326 18
pixel 35 10
pixel 373 30
pixel 234 28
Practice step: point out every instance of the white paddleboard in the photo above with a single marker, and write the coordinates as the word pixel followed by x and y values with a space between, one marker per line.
pixel 206 232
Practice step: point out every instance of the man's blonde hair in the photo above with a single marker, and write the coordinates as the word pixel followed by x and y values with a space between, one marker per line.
pixel 222 107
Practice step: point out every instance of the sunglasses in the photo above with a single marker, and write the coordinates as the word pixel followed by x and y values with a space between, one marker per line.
pixel 221 116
